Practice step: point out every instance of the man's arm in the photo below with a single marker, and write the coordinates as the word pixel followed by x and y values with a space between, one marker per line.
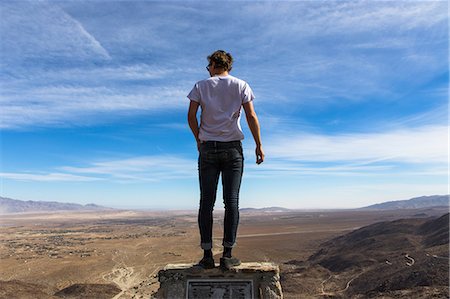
pixel 253 124
pixel 192 120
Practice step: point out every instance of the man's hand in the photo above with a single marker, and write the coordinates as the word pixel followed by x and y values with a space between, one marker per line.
pixel 259 155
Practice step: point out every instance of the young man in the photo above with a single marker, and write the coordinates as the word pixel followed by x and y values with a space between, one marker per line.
pixel 220 150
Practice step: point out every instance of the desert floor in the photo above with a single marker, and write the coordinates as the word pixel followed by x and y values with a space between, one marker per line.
pixel 55 250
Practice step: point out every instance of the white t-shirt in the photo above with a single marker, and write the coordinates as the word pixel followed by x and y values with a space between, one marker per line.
pixel 221 99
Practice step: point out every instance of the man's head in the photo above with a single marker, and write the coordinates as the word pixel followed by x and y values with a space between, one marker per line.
pixel 221 61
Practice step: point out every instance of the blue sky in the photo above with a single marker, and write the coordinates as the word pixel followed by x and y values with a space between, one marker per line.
pixel 352 98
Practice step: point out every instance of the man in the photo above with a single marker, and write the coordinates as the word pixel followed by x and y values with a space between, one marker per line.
pixel 220 150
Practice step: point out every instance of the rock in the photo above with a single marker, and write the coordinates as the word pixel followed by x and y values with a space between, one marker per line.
pixel 253 280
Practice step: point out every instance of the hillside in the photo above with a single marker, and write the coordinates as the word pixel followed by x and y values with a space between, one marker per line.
pixel 400 259
pixel 8 205
pixel 413 203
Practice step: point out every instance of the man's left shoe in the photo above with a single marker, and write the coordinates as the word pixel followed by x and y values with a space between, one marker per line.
pixel 206 263
pixel 228 262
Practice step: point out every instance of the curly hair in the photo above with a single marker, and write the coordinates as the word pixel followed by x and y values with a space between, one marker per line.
pixel 221 59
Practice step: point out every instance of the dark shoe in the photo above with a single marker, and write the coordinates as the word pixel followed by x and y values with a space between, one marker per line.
pixel 206 263
pixel 229 262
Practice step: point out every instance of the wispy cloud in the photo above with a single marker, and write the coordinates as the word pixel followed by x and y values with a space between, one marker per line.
pixel 288 168
pixel 71 62
pixel 279 168
pixel 131 170
pixel 91 75
pixel 50 33
pixel 364 49
pixel 66 105
pixel 414 152
pixel 435 116
pixel 426 144
pixel 343 17
pixel 400 152
pixel 93 41
pixel 47 177
pixel 138 169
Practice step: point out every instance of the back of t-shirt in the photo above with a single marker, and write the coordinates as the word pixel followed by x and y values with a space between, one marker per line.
pixel 221 99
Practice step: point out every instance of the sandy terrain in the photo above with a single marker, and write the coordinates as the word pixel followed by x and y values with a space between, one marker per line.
pixel 50 252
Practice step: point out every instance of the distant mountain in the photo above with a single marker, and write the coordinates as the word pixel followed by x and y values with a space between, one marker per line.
pixel 414 203
pixel 406 258
pixel 264 210
pixel 8 205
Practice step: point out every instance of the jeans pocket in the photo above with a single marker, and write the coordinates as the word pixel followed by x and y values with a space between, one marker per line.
pixel 241 151
pixel 235 154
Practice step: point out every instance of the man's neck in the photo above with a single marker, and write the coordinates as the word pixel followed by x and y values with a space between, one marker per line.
pixel 221 74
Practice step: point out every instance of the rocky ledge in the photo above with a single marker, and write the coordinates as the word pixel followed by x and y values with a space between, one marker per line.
pixel 248 280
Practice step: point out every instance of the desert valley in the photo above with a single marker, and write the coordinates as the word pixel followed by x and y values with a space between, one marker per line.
pixel 364 253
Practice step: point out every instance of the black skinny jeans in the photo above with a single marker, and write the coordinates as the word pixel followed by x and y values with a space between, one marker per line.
pixel 215 158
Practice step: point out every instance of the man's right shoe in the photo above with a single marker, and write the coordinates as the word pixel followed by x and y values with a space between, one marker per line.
pixel 228 262
pixel 206 263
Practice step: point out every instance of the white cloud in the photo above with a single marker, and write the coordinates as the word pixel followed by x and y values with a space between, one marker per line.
pixel 323 17
pixel 352 50
pixel 131 170
pixel 46 177
pixel 435 116
pixel 91 74
pixel 144 168
pixel 65 105
pixel 40 30
pixel 289 168
pixel 422 145
pixel 175 126
pixel 416 152
pixel 324 55
pixel 94 42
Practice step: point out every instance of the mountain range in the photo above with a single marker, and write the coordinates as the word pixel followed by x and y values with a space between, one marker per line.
pixel 413 203
pixel 8 205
